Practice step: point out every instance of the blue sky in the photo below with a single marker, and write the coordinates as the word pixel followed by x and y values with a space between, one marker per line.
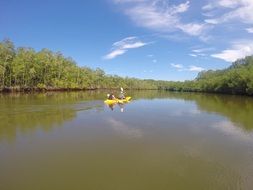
pixel 158 39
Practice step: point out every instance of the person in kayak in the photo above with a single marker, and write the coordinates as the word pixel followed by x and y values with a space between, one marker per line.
pixel 122 94
pixel 111 96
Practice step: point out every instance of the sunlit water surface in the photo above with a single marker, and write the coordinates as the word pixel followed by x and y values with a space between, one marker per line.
pixel 158 141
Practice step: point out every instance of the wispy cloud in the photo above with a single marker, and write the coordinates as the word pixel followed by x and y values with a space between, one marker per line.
pixel 148 71
pixel 216 19
pixel 122 46
pixel 249 30
pixel 195 68
pixel 115 53
pixel 220 3
pixel 193 55
pixel 236 10
pixel 191 68
pixel 232 11
pixel 151 56
pixel 201 50
pixel 161 16
pixel 128 1
pixel 237 51
pixel 177 66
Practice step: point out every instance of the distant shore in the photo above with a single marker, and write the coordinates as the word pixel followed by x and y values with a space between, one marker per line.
pixel 17 89
pixel 9 90
pixel 50 89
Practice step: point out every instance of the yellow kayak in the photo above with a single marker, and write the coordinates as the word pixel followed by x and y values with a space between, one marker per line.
pixel 115 101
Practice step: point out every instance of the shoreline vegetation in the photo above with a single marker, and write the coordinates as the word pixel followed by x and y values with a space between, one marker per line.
pixel 25 70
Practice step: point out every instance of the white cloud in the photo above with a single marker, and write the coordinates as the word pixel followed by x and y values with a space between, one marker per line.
pixel 169 18
pixel 202 50
pixel 249 30
pixel 128 1
pixel 152 57
pixel 129 43
pixel 115 53
pixel 202 54
pixel 192 29
pixel 191 68
pixel 193 55
pixel 161 16
pixel 221 3
pixel 148 71
pixel 177 66
pixel 122 46
pixel 183 7
pixel 195 68
pixel 237 10
pixel 237 51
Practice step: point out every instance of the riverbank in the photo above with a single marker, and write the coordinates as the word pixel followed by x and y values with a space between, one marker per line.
pixel 171 89
pixel 51 89
pixel 28 89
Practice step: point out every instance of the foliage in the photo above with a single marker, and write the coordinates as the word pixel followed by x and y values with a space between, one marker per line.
pixel 24 68
pixel 237 79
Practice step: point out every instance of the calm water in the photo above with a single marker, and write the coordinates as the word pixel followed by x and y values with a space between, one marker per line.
pixel 160 141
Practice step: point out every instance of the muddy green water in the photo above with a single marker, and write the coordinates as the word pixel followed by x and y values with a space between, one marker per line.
pixel 159 141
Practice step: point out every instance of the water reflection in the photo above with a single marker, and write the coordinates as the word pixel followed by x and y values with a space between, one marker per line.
pixel 21 113
pixel 120 105
pixel 26 112
pixel 230 129
pixel 160 140
pixel 238 109
pixel 124 129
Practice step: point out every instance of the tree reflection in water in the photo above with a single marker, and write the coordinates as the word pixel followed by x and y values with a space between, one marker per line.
pixel 44 111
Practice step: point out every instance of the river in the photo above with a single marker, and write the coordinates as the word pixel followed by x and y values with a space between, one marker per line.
pixel 158 141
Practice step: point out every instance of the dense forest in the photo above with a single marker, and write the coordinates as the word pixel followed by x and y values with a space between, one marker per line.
pixel 24 69
pixel 237 79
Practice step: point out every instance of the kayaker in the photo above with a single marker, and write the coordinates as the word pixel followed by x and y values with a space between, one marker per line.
pixel 122 94
pixel 111 96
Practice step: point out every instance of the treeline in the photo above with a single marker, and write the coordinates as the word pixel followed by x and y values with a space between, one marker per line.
pixel 23 69
pixel 237 79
